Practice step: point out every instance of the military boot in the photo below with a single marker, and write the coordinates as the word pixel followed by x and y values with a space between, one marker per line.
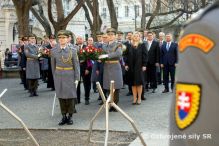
pixel 69 120
pixel 63 121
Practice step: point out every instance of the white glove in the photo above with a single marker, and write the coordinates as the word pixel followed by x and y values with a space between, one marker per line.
pixel 76 83
pixel 103 56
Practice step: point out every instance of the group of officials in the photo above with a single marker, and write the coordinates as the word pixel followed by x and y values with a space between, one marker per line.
pixel 137 61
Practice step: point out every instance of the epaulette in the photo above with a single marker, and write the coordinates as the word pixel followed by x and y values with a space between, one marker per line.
pixel 203 13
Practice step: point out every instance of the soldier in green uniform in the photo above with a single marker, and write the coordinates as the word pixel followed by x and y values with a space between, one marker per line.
pixel 32 65
pixel 65 68
pixel 112 69
pixel 195 109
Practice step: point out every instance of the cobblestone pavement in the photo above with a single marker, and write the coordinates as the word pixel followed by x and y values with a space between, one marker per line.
pixel 151 116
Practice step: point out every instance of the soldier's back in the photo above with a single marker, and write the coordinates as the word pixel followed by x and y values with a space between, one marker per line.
pixel 195 105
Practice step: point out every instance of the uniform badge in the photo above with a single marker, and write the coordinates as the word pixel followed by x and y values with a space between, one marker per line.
pixel 201 42
pixel 188 98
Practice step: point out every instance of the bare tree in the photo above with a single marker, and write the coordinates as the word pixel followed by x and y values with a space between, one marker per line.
pixel 95 20
pixel 22 8
pixel 62 21
pixel 143 17
pixel 112 12
pixel 39 14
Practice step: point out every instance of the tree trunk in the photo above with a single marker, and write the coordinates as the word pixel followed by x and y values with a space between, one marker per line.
pixel 112 12
pixel 143 18
pixel 42 19
pixel 62 21
pixel 155 13
pixel 22 10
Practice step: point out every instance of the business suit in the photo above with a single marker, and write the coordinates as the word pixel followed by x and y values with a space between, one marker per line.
pixel 169 58
pixel 84 65
pixel 159 73
pixel 153 58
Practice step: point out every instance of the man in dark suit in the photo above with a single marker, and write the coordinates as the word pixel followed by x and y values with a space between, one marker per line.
pixel 153 61
pixel 161 43
pixel 169 61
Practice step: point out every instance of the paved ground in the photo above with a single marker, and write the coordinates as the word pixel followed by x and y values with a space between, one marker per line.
pixel 151 116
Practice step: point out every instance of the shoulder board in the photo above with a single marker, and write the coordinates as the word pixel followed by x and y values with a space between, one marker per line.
pixel 203 13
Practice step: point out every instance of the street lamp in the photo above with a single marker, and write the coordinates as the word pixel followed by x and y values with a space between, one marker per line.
pixel 31 25
pixel 15 30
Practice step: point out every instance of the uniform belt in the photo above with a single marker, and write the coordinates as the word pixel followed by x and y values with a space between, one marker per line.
pixel 30 59
pixel 112 62
pixel 64 68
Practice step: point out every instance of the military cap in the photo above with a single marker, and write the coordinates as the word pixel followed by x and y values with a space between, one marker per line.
pixel 63 32
pixel 120 32
pixel 52 36
pixel 99 33
pixel 111 30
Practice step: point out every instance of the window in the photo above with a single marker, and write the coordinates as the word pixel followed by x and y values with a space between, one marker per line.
pixel 117 12
pixel 136 10
pixel 104 13
pixel 148 10
pixel 126 11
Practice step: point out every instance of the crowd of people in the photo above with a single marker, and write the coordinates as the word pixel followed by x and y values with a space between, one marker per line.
pixel 139 60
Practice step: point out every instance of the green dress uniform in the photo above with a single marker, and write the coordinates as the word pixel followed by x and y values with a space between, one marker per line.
pixel 195 109
pixel 65 68
pixel 32 68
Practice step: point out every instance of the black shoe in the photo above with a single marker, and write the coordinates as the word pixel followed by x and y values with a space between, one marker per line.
pixel 143 98
pixel 99 98
pixel 87 102
pixel 53 89
pixel 165 91
pixel 35 94
pixel 146 90
pixel 63 121
pixel 153 91
pixel 112 109
pixel 75 111
pixel 69 120
pixel 95 91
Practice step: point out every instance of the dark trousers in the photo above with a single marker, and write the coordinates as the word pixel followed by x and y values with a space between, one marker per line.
pixel 159 77
pixel 87 87
pixel 169 70
pixel 94 86
pixel 23 78
pixel 67 106
pixel 151 76
pixel 32 85
pixel 115 96
pixel 50 81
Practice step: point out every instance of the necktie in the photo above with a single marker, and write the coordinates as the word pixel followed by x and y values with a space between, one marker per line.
pixel 168 46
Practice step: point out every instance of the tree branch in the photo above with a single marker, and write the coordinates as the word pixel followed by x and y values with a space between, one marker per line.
pixel 169 23
pixel 73 12
pixel 51 19
pixel 156 11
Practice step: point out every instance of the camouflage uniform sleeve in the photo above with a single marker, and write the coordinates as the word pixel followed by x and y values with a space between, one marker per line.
pixel 76 64
pixel 28 54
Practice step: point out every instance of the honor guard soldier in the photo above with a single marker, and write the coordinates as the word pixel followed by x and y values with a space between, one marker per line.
pixel 32 65
pixel 65 68
pixel 195 107
pixel 112 69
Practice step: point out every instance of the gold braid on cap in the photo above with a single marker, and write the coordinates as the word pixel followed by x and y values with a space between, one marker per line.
pixel 69 58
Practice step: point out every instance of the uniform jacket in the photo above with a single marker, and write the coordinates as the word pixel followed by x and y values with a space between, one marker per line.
pixel 64 79
pixel 32 65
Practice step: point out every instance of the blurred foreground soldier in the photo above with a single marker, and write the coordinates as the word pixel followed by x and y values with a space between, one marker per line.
pixel 65 68
pixel 195 107
pixel 112 68
pixel 32 65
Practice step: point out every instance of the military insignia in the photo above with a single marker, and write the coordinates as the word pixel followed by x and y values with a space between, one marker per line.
pixel 196 40
pixel 188 98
